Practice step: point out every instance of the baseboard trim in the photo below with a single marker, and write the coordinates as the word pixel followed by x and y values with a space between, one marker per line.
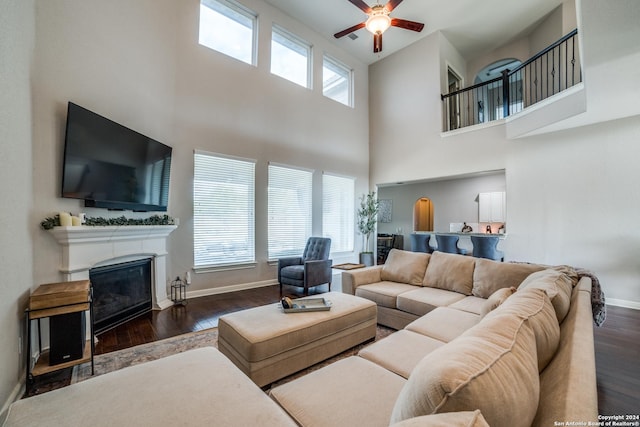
pixel 230 288
pixel 623 303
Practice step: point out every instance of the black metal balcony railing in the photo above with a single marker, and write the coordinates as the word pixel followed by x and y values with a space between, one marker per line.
pixel 551 71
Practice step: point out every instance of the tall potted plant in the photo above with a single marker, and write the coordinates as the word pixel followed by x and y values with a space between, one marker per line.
pixel 367 218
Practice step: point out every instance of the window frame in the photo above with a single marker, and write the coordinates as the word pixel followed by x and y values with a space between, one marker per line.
pixel 243 262
pixel 326 58
pixel 298 42
pixel 241 10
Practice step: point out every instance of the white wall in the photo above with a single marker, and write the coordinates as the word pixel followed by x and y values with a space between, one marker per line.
pixel 572 195
pixel 16 215
pixel 140 64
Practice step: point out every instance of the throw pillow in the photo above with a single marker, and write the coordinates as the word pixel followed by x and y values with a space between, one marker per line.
pixel 556 284
pixel 450 272
pixel 489 275
pixel 405 267
pixel 492 367
pixel 497 298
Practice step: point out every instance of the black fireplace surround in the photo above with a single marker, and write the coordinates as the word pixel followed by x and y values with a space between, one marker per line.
pixel 121 292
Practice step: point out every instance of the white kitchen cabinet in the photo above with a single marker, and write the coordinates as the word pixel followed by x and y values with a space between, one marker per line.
pixel 491 207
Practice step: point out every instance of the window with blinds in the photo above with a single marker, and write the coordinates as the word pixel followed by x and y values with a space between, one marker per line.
pixel 338 211
pixel 223 210
pixel 290 210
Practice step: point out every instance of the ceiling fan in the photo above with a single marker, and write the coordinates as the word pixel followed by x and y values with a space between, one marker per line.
pixel 378 21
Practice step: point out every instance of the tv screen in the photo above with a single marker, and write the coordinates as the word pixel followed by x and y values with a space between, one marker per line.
pixel 111 166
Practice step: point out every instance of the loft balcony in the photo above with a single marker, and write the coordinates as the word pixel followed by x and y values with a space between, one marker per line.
pixel 552 76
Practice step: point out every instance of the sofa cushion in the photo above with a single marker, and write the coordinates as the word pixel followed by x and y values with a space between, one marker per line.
pixel 444 323
pixel 422 300
pixel 534 306
pixel 405 267
pixel 489 275
pixel 556 284
pixel 451 272
pixel 492 367
pixel 349 392
pixel 400 352
pixel 497 298
pixel 198 387
pixel 470 304
pixel 384 294
pixel 449 419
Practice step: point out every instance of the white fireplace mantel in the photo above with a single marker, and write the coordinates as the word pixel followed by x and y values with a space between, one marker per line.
pixel 85 247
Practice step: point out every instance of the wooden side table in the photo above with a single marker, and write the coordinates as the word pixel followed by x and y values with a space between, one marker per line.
pixel 54 299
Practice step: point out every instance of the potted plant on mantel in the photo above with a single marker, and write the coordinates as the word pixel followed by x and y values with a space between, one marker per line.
pixel 367 218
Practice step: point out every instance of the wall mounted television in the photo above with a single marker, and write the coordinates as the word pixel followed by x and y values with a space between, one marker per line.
pixel 113 167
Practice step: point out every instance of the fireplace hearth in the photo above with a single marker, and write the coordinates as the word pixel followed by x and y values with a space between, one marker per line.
pixel 121 292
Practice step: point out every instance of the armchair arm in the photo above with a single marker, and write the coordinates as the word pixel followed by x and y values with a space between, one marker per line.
pixel 363 276
pixel 286 262
pixel 317 272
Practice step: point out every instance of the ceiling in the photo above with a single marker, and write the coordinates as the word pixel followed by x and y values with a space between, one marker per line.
pixel 473 27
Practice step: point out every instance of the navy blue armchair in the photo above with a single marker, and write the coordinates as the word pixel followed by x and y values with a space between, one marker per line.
pixel 311 269
pixel 449 244
pixel 420 243
pixel 487 247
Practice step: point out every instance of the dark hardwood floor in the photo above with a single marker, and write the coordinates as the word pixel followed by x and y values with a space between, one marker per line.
pixel 199 313
pixel 617 342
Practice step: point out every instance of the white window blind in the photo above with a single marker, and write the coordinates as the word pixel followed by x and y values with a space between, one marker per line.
pixel 338 211
pixel 289 210
pixel 223 210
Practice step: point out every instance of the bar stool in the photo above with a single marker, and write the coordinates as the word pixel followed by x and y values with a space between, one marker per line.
pixel 420 243
pixel 487 247
pixel 449 244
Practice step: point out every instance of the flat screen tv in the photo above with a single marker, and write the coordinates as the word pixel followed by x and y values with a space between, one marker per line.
pixel 111 166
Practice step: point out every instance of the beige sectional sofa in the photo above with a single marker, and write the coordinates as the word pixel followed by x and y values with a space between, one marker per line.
pixel 471 351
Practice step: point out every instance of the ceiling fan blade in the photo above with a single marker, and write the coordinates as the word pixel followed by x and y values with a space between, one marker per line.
pixel 349 30
pixel 392 4
pixel 407 25
pixel 361 5
pixel 377 43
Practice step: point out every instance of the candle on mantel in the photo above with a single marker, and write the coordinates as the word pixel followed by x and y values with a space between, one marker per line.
pixel 65 219
pixel 75 221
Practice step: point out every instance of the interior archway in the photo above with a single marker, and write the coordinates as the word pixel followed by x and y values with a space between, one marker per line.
pixel 423 214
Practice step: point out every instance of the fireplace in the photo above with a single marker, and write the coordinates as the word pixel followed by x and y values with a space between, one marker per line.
pixel 121 292
pixel 84 249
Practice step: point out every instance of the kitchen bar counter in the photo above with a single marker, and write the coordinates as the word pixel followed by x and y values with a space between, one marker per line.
pixel 447 233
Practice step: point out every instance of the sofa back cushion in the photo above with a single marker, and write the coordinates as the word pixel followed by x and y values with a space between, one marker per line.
pixel 489 275
pixel 405 267
pixel 556 284
pixel 450 419
pixel 450 272
pixel 534 306
pixel 491 367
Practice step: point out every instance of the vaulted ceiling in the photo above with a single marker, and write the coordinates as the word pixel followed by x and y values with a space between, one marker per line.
pixel 473 27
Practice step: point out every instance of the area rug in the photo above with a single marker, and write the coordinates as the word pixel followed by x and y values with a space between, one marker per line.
pixel 109 362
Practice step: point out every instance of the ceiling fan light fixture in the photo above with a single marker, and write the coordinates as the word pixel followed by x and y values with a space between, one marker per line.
pixel 379 20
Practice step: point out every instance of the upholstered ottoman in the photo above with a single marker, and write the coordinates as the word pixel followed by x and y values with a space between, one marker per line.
pixel 268 344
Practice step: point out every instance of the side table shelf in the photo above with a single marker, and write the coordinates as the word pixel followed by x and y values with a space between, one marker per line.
pixel 55 299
